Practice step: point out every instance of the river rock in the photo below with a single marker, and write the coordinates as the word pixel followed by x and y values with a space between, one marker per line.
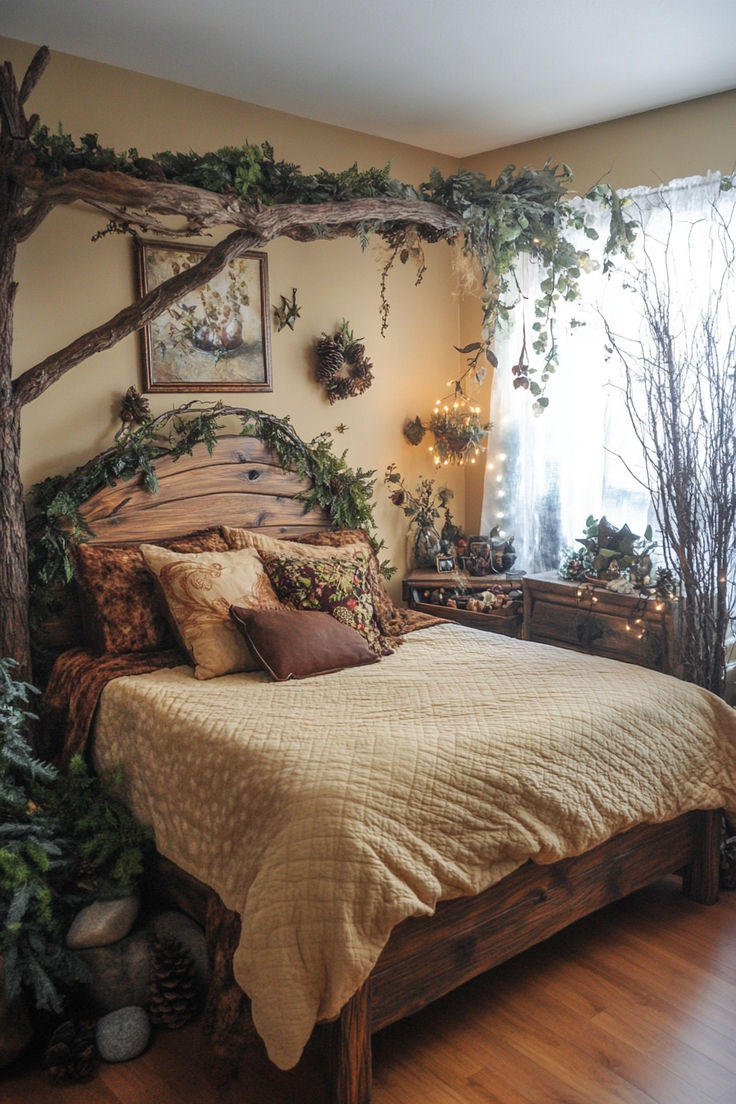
pixel 120 973
pixel 103 922
pixel 123 1034
pixel 173 924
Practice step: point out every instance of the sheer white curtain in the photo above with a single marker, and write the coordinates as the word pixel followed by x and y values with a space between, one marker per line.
pixel 547 473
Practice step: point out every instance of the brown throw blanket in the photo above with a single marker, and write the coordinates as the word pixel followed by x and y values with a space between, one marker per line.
pixel 77 679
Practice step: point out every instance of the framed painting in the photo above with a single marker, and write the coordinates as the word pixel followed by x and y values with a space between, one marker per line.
pixel 216 338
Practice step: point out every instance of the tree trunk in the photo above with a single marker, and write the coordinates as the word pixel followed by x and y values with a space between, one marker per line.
pixel 14 631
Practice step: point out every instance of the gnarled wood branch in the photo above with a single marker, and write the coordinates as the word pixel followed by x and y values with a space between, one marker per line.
pixel 134 201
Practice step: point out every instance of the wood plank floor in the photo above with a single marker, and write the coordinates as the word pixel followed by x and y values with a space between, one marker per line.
pixel 634 1005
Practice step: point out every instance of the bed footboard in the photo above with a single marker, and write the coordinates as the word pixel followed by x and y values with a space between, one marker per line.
pixel 429 956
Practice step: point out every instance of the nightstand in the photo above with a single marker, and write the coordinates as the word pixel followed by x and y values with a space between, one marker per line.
pixel 590 618
pixel 506 620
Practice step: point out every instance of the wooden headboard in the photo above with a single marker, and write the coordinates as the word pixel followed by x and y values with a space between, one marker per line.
pixel 240 483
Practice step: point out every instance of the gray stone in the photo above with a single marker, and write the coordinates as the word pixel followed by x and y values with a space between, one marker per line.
pixel 103 922
pixel 120 973
pixel 123 1034
pixel 177 925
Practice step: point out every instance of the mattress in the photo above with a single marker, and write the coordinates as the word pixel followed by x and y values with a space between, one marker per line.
pixel 327 810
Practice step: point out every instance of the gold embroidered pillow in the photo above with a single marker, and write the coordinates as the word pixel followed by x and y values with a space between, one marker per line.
pixel 335 586
pixel 121 611
pixel 199 590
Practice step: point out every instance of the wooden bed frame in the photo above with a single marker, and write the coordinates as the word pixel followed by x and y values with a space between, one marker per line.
pixel 241 483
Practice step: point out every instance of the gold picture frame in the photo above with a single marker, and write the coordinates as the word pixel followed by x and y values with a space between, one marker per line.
pixel 217 338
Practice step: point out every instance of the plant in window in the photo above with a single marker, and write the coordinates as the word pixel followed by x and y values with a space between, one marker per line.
pixel 608 552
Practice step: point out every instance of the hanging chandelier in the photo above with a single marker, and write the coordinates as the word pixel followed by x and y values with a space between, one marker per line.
pixel 455 424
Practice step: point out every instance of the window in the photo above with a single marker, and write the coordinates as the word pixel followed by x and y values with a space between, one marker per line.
pixel 547 473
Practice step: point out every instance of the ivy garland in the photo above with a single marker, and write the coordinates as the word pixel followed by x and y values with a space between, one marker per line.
pixel 524 211
pixel 57 524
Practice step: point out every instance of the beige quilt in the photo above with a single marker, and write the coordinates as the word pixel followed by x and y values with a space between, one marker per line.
pixel 326 811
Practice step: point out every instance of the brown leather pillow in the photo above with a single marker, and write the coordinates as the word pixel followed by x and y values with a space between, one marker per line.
pixel 121 611
pixel 296 644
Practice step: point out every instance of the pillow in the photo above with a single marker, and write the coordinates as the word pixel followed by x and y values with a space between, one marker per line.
pixel 121 611
pixel 276 546
pixel 296 644
pixel 326 544
pixel 199 589
pixel 388 615
pixel 335 586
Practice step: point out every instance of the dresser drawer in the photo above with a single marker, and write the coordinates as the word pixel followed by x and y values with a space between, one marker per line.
pixel 599 633
pixel 600 621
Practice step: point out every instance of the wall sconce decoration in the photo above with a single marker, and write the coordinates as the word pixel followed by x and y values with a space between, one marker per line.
pixel 287 313
pixel 456 425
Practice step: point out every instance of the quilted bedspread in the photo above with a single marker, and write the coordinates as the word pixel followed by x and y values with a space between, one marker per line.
pixel 326 811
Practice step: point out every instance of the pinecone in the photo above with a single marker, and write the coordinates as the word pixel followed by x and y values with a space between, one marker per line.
pixel 355 352
pixel 71 1054
pixel 174 993
pixel 330 358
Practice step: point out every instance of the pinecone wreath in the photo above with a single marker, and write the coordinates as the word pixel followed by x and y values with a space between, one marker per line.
pixel 174 991
pixel 71 1054
pixel 342 366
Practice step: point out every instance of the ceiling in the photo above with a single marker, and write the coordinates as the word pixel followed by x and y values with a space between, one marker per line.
pixel 453 76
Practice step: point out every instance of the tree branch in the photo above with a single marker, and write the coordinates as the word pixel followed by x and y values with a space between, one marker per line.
pixel 136 200
pixel 34 381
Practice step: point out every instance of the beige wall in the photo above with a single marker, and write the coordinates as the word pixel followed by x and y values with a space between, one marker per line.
pixel 68 284
pixel 647 149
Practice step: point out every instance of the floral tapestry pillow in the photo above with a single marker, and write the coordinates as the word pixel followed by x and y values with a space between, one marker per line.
pixel 326 544
pixel 121 611
pixel 335 586
pixel 339 540
pixel 198 590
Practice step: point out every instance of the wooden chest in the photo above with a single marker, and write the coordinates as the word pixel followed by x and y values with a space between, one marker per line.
pixel 593 619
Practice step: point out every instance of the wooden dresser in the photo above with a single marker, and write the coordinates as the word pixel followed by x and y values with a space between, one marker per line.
pixel 593 619
pixel 505 620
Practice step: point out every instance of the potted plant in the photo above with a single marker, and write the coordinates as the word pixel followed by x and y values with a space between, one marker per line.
pixel 422 506
pixel 609 553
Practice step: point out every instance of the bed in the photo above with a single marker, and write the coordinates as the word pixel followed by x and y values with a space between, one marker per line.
pixel 435 833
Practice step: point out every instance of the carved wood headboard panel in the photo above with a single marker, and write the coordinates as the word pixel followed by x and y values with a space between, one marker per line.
pixel 241 483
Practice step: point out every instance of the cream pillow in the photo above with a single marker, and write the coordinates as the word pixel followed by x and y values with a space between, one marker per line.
pixel 251 538
pixel 199 589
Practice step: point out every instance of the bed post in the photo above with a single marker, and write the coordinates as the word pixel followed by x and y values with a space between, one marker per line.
pixel 348 1051
pixel 700 878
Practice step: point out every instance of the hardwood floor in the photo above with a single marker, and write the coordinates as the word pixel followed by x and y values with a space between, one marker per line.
pixel 634 1005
